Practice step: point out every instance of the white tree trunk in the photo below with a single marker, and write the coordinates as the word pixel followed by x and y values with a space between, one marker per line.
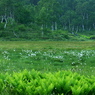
pixel 93 25
pixel 83 27
pixel 4 20
pixel 42 33
pixel 55 26
pixel 73 28
pixel 5 23
pixel 77 29
pixel 52 27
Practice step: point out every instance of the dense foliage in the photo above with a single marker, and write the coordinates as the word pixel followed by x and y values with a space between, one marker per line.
pixel 40 18
pixel 36 83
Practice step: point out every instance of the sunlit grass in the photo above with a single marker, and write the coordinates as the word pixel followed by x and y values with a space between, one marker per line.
pixel 48 56
pixel 47 45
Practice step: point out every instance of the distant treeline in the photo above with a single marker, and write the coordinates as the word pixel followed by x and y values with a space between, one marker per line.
pixel 71 15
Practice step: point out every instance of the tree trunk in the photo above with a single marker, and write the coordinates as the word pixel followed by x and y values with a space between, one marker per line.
pixel 73 28
pixel 55 26
pixel 4 20
pixel 93 25
pixel 42 33
pixel 83 27
pixel 69 24
pixel 52 27
pixel 77 29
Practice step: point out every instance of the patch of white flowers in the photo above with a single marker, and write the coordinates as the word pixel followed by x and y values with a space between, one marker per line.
pixel 72 54
pixel 6 55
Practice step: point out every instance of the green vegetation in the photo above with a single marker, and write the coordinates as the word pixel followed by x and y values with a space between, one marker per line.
pixel 58 67
pixel 48 56
pixel 37 83
pixel 51 20
pixel 48 66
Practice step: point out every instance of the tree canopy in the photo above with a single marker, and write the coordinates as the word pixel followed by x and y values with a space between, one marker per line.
pixel 70 15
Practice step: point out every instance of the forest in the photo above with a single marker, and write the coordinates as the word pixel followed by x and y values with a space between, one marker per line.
pixel 47 19
pixel 47 47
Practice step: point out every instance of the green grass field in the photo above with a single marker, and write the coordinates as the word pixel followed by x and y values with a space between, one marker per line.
pixel 48 56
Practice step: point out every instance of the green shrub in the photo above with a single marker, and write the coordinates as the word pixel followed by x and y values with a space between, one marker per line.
pixel 92 37
pixel 20 27
pixel 1 26
pixel 37 83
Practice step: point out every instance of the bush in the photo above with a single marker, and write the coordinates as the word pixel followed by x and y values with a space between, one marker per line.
pixel 92 37
pixel 60 35
pixel 36 83
pixel 21 28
